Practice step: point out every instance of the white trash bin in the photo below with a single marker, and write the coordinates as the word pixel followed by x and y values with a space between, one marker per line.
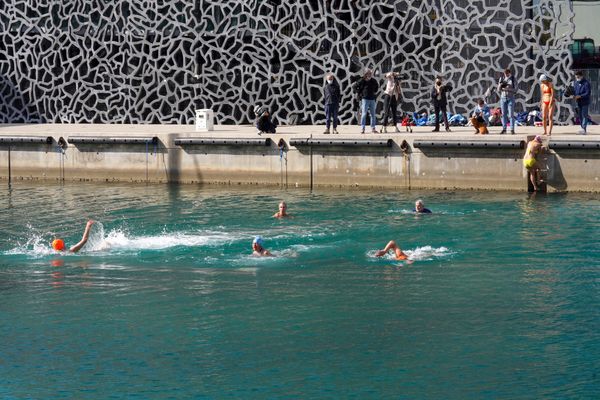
pixel 204 120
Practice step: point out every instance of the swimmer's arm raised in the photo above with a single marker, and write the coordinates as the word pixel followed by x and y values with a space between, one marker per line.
pixel 84 239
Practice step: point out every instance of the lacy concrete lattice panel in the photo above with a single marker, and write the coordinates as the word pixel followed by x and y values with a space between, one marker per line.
pixel 156 61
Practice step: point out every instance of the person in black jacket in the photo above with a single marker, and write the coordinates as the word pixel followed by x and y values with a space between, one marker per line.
pixel 264 124
pixel 332 97
pixel 367 88
pixel 439 100
pixel 582 91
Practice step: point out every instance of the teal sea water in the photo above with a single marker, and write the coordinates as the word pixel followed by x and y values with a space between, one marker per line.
pixel 501 300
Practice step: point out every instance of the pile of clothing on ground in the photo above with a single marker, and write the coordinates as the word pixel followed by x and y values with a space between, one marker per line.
pixel 525 118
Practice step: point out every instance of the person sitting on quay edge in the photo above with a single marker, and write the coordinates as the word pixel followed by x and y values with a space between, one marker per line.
pixel 480 118
pixel 264 124
pixel 391 99
pixel 59 244
pixel 530 161
pixel 258 248
pixel 582 91
pixel 332 97
pixel 420 208
pixel 440 102
pixel 367 88
pixel 282 213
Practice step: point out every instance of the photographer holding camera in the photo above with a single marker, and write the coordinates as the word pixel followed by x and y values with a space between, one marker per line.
pixel 507 86
pixel 391 98
pixel 439 100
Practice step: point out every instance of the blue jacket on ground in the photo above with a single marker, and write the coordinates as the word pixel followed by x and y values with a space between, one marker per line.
pixel 582 88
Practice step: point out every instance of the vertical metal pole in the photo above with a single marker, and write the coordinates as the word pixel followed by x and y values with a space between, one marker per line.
pixel 286 172
pixel 9 174
pixel 146 162
pixel 311 166
pixel 408 158
pixel 280 167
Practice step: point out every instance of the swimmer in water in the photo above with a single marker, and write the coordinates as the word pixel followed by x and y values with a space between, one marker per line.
pixel 534 147
pixel 282 213
pixel 258 248
pixel 392 246
pixel 59 244
pixel 420 208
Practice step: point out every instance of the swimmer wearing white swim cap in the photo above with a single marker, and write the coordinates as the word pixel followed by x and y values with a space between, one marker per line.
pixel 258 248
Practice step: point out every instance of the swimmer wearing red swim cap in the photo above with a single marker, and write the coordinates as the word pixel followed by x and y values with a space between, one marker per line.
pixel 59 244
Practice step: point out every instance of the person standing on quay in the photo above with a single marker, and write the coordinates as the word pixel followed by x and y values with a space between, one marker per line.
pixel 439 100
pixel 582 91
pixel 507 86
pixel 391 98
pixel 332 95
pixel 547 105
pixel 367 88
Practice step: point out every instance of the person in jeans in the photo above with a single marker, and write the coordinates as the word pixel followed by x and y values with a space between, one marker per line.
pixel 439 100
pixel 332 95
pixel 367 88
pixel 507 86
pixel 391 98
pixel 582 91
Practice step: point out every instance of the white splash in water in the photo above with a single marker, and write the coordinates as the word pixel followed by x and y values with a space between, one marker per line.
pixel 118 239
pixel 424 253
pixel 427 253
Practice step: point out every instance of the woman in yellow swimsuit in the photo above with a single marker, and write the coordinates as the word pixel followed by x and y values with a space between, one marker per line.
pixel 530 160
pixel 547 106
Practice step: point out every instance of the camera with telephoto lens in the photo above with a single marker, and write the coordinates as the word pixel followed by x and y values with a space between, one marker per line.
pixel 399 77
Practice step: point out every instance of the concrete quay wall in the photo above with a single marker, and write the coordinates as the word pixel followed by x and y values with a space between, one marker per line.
pixel 411 161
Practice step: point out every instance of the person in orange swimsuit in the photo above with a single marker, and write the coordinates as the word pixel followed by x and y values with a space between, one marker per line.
pixel 59 244
pixel 547 106
pixel 392 246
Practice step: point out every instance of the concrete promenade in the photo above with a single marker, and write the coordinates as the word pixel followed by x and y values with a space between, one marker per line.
pixel 422 159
